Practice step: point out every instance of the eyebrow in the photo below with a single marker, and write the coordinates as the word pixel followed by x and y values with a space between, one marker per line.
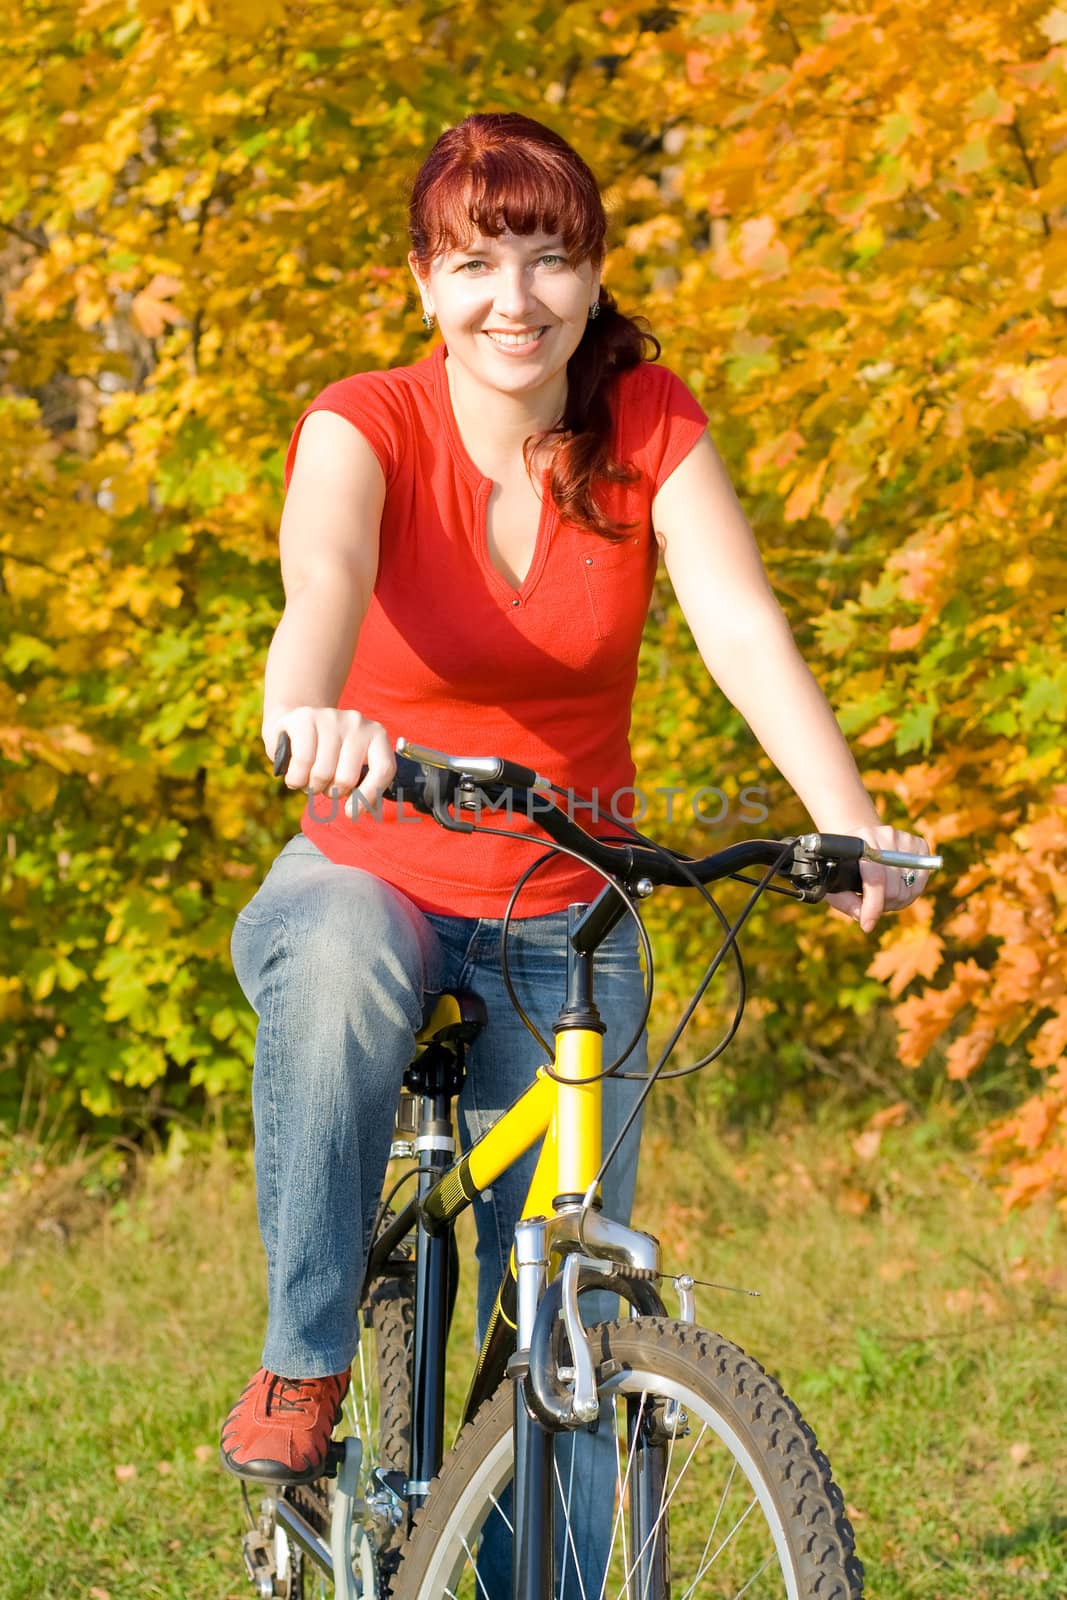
pixel 553 243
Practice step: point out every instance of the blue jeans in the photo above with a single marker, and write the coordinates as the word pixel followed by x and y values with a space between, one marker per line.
pixel 341 970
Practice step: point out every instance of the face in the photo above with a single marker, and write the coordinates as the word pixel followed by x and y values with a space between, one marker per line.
pixel 512 310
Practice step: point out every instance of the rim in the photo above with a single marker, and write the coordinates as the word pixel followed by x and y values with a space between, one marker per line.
pixel 725 1532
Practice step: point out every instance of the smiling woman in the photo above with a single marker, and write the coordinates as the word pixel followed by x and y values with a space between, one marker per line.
pixel 468 547
pixel 524 297
pixel 508 236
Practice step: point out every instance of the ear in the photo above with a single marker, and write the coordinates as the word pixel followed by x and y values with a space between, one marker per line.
pixel 421 283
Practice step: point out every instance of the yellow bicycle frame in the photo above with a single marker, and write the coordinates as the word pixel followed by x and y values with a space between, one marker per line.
pixel 564 1110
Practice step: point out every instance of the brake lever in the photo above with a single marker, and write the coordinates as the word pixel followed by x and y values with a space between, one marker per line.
pixel 816 875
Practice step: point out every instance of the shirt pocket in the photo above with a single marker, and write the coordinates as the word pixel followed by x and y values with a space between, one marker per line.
pixel 614 576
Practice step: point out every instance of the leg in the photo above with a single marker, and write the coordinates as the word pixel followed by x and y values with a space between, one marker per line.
pixel 338 967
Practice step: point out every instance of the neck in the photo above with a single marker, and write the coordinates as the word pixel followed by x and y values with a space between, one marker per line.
pixel 502 422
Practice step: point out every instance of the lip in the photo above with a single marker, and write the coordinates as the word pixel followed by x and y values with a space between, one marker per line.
pixel 516 349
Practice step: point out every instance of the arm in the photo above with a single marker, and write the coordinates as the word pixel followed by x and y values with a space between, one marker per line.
pixel 747 646
pixel 329 559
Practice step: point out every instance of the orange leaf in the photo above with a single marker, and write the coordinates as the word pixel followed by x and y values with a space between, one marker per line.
pixel 890 1116
pixel 911 951
pixel 804 496
pixel 968 1051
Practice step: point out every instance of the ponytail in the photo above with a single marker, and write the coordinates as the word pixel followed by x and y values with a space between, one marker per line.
pixel 583 461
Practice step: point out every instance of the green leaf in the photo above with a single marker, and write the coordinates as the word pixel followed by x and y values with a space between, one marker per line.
pixel 720 22
pixel 915 729
pixel 25 651
pixel 1045 700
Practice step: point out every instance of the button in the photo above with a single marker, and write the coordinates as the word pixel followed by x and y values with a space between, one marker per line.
pixel 589 561
pixel 515 602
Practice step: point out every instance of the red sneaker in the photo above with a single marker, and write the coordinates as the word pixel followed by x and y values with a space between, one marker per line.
pixel 280 1427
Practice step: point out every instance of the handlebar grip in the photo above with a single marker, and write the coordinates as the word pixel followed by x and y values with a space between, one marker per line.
pixel 407 783
pixel 517 777
pixel 844 876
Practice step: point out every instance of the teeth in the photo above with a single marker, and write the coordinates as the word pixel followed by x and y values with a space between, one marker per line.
pixel 514 339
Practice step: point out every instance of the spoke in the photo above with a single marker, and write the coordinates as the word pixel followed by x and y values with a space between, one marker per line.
pixel 567 1516
pixel 662 1498
pixel 707 1542
pixel 501 1513
pixel 712 1559
pixel 365 1388
pixel 479 1580
pixel 761 1568
pixel 632 1569
pixel 620 1482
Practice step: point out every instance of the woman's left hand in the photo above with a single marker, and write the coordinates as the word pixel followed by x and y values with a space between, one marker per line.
pixel 884 888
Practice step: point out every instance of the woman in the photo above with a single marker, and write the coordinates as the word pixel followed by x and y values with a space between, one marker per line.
pixel 468 546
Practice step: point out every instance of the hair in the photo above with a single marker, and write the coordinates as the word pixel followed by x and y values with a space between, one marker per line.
pixel 501 170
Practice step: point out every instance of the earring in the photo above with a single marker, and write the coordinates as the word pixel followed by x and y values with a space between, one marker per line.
pixel 427 319
pixel 594 311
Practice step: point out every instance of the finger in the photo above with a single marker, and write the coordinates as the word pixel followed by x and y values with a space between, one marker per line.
pixel 873 894
pixel 899 892
pixel 324 768
pixel 381 769
pixel 845 903
pixel 304 741
pixel 351 763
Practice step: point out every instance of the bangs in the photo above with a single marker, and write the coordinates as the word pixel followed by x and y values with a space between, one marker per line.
pixel 510 187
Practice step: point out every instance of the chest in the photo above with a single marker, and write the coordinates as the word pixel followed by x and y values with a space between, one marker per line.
pixel 512 521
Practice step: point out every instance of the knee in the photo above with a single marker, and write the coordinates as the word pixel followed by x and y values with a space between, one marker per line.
pixel 342 945
pixel 361 939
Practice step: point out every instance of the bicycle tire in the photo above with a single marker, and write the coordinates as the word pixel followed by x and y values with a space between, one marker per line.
pixel 390 1308
pixel 752 1425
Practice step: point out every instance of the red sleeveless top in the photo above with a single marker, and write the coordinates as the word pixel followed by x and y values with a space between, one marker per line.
pixel 451 656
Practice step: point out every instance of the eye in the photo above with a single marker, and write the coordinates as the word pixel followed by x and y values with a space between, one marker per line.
pixel 471 268
pixel 553 260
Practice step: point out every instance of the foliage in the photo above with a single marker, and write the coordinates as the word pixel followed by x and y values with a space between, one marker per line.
pixel 848 228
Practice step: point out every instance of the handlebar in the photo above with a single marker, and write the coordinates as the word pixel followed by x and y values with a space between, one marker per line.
pixel 441 786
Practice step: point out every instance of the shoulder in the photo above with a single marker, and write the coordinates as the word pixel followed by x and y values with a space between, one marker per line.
pixel 658 419
pixel 392 389
pixel 647 382
pixel 383 405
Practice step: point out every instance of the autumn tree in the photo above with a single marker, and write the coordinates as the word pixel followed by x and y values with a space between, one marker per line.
pixel 848 229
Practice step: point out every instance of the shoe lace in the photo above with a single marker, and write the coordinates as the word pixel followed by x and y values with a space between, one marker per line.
pixel 291 1394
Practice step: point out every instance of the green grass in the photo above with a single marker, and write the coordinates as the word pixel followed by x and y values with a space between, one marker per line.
pixel 920 1330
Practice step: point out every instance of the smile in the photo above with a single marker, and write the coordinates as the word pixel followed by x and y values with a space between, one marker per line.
pixel 517 341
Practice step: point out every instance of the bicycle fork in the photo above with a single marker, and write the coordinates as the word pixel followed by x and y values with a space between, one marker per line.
pixel 549 1398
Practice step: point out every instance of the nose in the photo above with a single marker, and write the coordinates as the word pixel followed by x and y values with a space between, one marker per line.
pixel 514 295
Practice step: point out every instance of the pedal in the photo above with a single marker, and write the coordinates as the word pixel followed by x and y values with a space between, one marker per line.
pixel 395 1484
pixel 259 1563
pixel 335 1455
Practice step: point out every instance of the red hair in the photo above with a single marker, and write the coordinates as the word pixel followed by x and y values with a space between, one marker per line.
pixel 500 170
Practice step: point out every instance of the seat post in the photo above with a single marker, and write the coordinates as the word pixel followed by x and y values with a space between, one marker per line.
pixel 436 1077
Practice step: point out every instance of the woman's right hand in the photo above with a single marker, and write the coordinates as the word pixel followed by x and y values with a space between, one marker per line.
pixel 331 748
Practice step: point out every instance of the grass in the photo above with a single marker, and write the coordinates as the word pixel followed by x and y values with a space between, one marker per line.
pixel 919 1329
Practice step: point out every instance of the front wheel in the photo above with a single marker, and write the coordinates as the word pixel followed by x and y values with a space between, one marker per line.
pixel 700 1479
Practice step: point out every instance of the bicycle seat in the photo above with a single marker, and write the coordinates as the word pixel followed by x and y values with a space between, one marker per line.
pixel 458 1017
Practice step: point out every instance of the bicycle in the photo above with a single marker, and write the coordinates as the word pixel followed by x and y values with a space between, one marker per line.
pixel 678 1407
